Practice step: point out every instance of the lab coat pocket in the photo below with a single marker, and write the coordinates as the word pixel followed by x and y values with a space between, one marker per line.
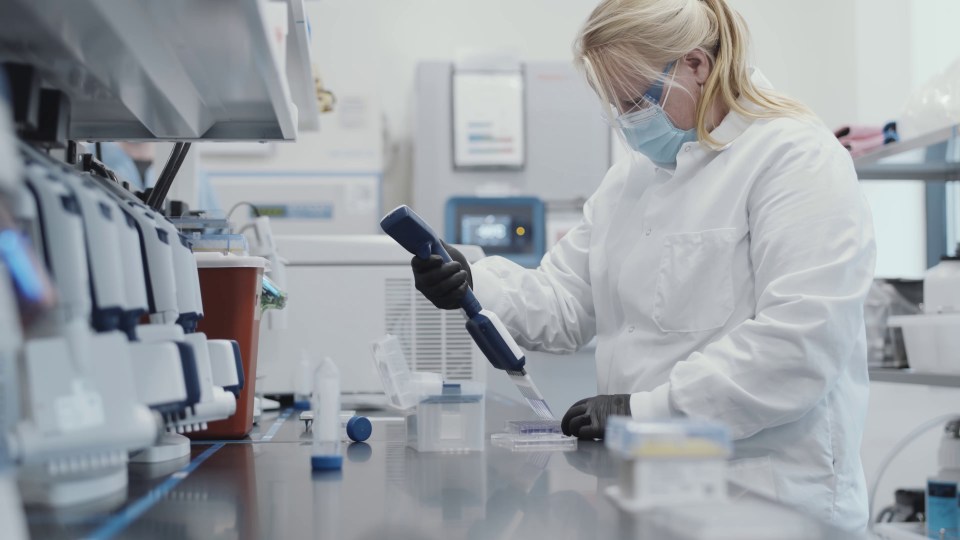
pixel 751 476
pixel 694 289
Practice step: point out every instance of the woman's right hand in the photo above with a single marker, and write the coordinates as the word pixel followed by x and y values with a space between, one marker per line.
pixel 444 284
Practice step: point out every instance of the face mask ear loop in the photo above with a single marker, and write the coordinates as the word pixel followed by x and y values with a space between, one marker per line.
pixel 670 86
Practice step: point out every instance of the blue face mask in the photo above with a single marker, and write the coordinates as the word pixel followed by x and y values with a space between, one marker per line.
pixel 650 131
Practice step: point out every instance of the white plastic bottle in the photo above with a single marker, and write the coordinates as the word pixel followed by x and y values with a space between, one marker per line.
pixel 325 455
pixel 943 489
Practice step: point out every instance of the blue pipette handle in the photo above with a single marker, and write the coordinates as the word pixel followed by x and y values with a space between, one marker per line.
pixel 413 233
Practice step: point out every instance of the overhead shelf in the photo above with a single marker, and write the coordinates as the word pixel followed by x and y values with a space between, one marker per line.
pixel 171 70
pixel 903 376
pixel 888 162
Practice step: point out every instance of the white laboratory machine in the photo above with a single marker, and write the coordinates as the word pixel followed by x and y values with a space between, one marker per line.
pixel 347 291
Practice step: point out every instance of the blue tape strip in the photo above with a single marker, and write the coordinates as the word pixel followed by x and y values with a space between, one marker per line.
pixel 142 505
pixel 276 425
pixel 292 174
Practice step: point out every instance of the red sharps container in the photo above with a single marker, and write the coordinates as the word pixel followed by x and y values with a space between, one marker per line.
pixel 230 286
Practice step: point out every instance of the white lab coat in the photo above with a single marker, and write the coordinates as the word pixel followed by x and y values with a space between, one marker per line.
pixel 730 289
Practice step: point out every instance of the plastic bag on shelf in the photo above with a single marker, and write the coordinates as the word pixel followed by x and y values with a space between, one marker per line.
pixel 935 105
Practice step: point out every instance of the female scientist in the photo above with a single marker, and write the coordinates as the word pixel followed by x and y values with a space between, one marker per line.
pixel 722 268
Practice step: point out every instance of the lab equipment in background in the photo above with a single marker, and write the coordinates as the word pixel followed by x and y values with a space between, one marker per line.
pixel 11 340
pixel 933 337
pixel 231 287
pixel 566 146
pixel 488 116
pixel 941 287
pixel 173 279
pixel 80 413
pixel 302 202
pixel 888 298
pixel 667 463
pixel 511 227
pixel 909 507
pixel 325 452
pixel 347 291
pixel 489 333
pixel 203 388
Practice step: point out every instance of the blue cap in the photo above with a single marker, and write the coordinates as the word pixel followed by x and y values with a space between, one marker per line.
pixel 301 405
pixel 326 463
pixel 359 428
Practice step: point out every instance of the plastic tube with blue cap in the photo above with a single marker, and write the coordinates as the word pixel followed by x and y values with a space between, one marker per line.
pixel 325 454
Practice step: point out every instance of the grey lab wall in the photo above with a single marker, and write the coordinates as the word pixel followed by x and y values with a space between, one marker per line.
pixel 567 142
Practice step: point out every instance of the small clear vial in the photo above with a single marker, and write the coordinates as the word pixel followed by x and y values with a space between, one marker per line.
pixel 325 454
pixel 303 384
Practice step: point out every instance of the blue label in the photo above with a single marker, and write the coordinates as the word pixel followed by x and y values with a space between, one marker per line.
pixel 941 508
pixel 296 211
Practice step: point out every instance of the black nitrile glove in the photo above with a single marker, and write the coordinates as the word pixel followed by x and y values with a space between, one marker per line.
pixel 443 284
pixel 587 418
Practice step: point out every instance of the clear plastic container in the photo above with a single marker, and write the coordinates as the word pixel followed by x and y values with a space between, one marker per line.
pixel 394 372
pixel 931 341
pixel 667 463
pixel 403 388
pixel 673 439
pixel 533 436
pixel 449 421
pixel 541 442
pixel 220 243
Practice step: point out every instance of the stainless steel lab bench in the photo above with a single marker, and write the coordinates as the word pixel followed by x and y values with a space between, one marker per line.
pixel 263 488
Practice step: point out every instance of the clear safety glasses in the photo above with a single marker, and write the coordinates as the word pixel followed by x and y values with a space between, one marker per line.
pixel 638 109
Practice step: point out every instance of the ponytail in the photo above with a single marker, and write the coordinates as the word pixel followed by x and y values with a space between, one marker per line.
pixel 729 79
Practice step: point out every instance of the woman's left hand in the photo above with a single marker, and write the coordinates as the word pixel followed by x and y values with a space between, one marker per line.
pixel 587 418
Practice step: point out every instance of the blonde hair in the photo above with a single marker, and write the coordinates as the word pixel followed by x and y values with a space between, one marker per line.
pixel 627 40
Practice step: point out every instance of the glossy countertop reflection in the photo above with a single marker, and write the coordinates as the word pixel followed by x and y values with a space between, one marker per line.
pixel 264 488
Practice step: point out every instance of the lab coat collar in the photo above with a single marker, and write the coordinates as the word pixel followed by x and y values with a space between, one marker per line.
pixel 732 126
pixel 734 123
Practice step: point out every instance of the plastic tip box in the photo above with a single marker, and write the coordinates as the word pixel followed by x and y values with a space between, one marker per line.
pixel 450 421
pixel 668 462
